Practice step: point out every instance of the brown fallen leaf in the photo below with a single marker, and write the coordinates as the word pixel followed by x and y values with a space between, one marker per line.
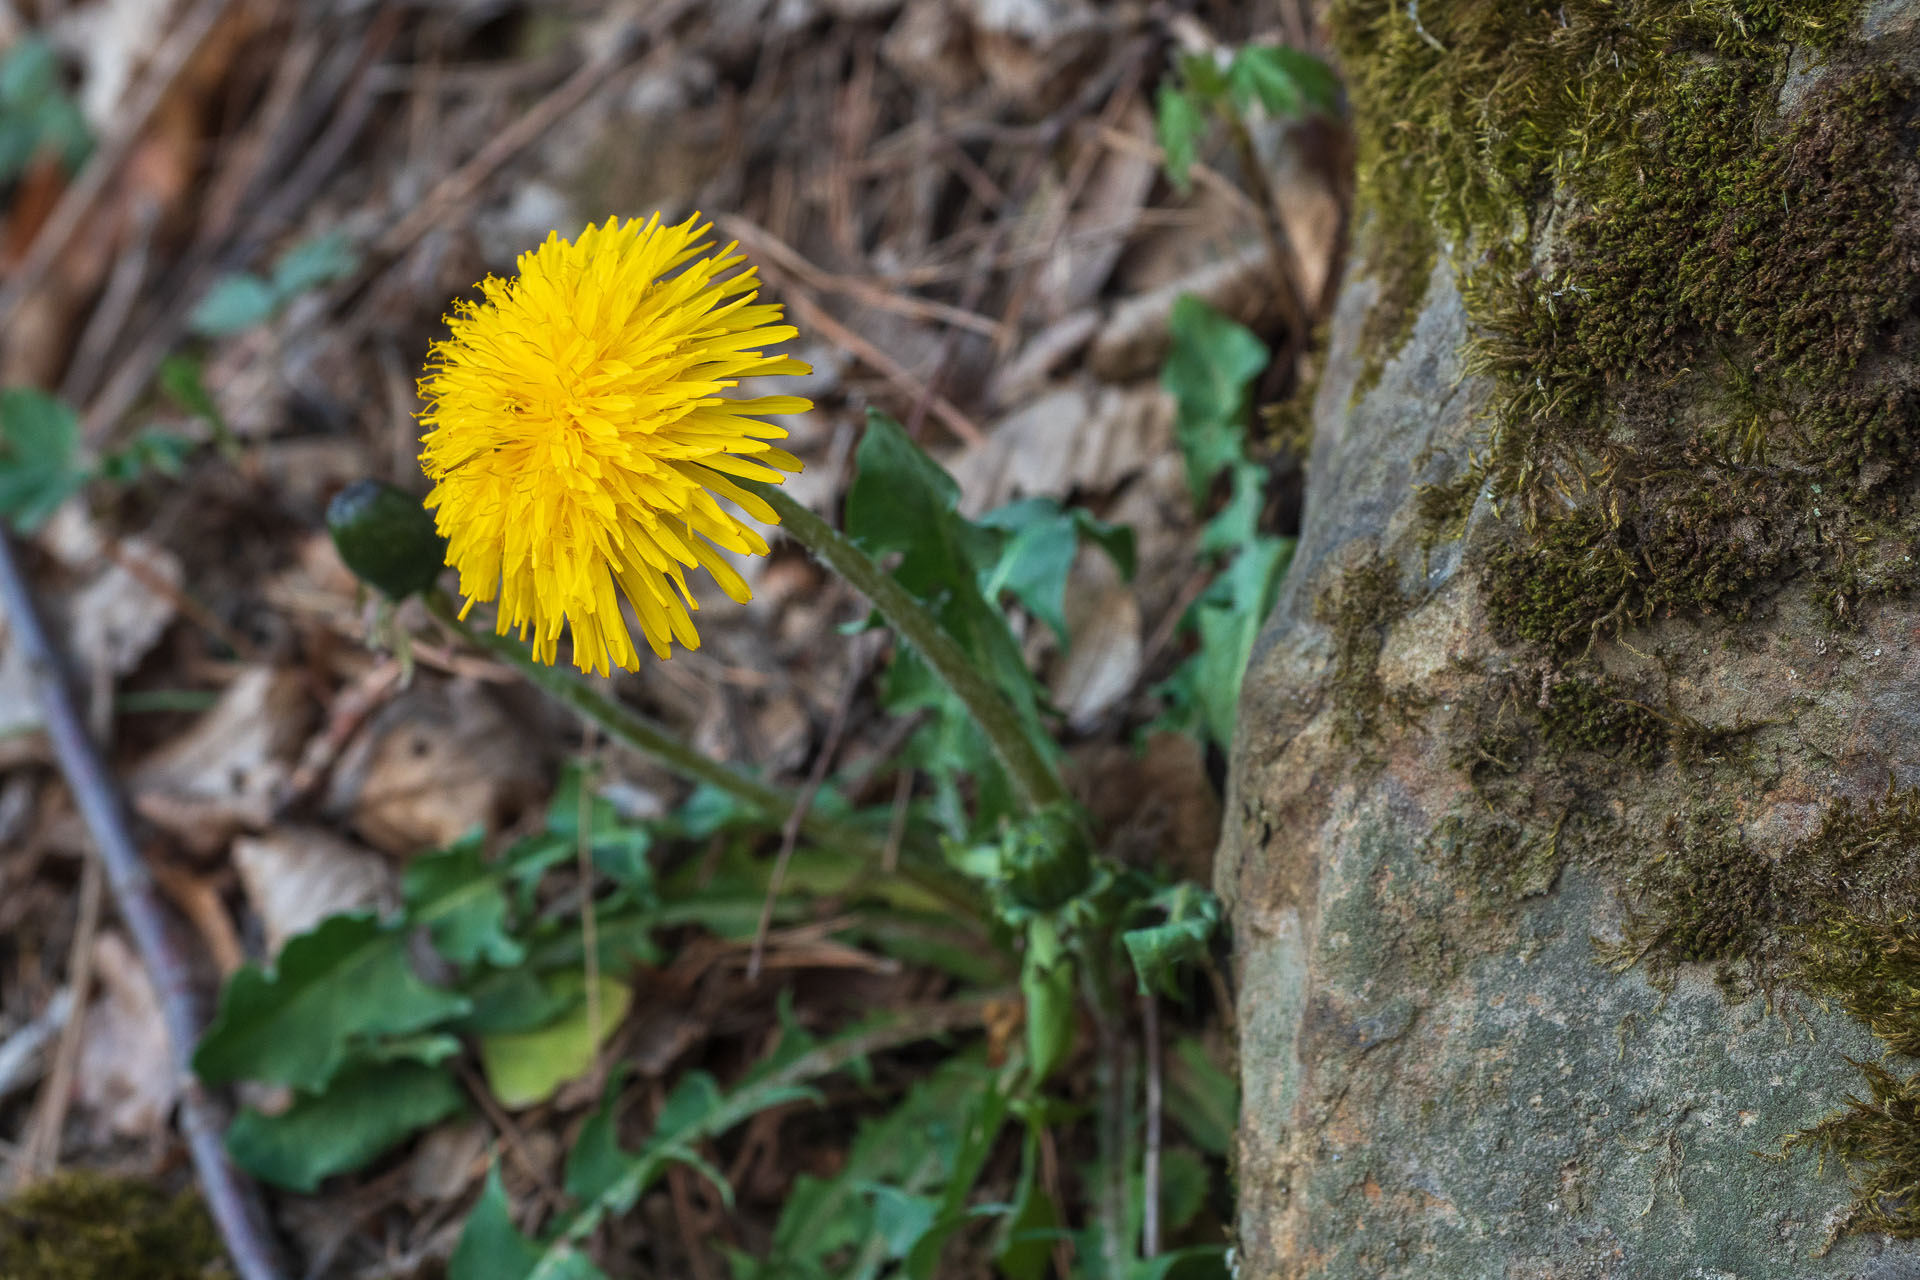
pixel 434 764
pixel 295 877
pixel 125 1076
pixel 228 771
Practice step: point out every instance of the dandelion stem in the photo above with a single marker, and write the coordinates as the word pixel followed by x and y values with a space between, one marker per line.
pixel 656 740
pixel 1037 783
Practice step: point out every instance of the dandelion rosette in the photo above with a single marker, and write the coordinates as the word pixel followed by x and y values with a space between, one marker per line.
pixel 578 441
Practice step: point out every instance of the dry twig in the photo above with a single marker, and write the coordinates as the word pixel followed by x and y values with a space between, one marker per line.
pixel 230 1196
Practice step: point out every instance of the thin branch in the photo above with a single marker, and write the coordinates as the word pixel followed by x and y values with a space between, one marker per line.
pixel 231 1197
pixel 1029 771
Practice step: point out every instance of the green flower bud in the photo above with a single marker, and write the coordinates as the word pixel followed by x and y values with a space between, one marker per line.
pixel 1044 861
pixel 386 537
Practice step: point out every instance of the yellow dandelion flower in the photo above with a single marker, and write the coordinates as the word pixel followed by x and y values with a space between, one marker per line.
pixel 578 442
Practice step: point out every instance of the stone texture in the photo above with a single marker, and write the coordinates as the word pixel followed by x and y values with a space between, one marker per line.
pixel 1435 1088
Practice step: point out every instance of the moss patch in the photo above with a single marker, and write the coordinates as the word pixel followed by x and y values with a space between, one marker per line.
pixel 1877 1140
pixel 1687 234
pixel 87 1227
pixel 1359 608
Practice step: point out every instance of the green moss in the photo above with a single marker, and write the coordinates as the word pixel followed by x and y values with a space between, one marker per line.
pixel 1359 608
pixel 1870 968
pixel 1687 235
pixel 1589 715
pixel 1401 252
pixel 1877 1140
pixel 1705 896
pixel 1504 860
pixel 86 1227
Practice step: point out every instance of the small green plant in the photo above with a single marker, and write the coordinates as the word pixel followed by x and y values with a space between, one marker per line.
pixel 1203 90
pixel 1210 374
pixel 1034 901
pixel 37 115
pixel 243 300
pixel 42 461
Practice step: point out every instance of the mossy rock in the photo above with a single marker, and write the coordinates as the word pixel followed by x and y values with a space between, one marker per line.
pixel 83 1226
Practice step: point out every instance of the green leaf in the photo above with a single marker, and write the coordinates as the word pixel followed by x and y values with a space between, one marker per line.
pixel 346 979
pixel 1209 373
pixel 312 263
pixel 368 1109
pixel 512 1000
pixel 456 893
pixel 912 1147
pixel 40 465
pixel 1287 82
pixel 525 1067
pixel 1160 951
pixel 902 1218
pixel 151 450
pixel 234 304
pixel 1034 564
pixel 181 377
pixel 901 503
pixel 1180 122
pixel 596 1162
pixel 1196 1262
pixel 1201 1098
pixel 387 537
pixel 491 1247
pixel 37 116
pixel 1184 1179
pixel 1203 75
pixel 698 1109
pixel 1237 523
pixel 1228 630
pixel 1035 1223
pixel 619 848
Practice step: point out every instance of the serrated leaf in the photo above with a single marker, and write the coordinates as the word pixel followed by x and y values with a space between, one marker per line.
pixel 1229 628
pixel 40 462
pixel 1180 122
pixel 618 848
pixel 1287 82
pixel 698 1109
pixel 526 1067
pixel 346 979
pixel 1209 373
pixel 901 503
pixel 1160 951
pixel 312 263
pixel 234 304
pixel 1237 523
pixel 368 1109
pixel 457 894
pixel 912 1147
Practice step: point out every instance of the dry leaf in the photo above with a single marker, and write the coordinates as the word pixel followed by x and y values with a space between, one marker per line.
pixel 227 772
pixel 439 761
pixel 125 1075
pixel 295 877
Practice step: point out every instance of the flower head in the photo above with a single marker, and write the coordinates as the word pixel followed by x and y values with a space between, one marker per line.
pixel 578 441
